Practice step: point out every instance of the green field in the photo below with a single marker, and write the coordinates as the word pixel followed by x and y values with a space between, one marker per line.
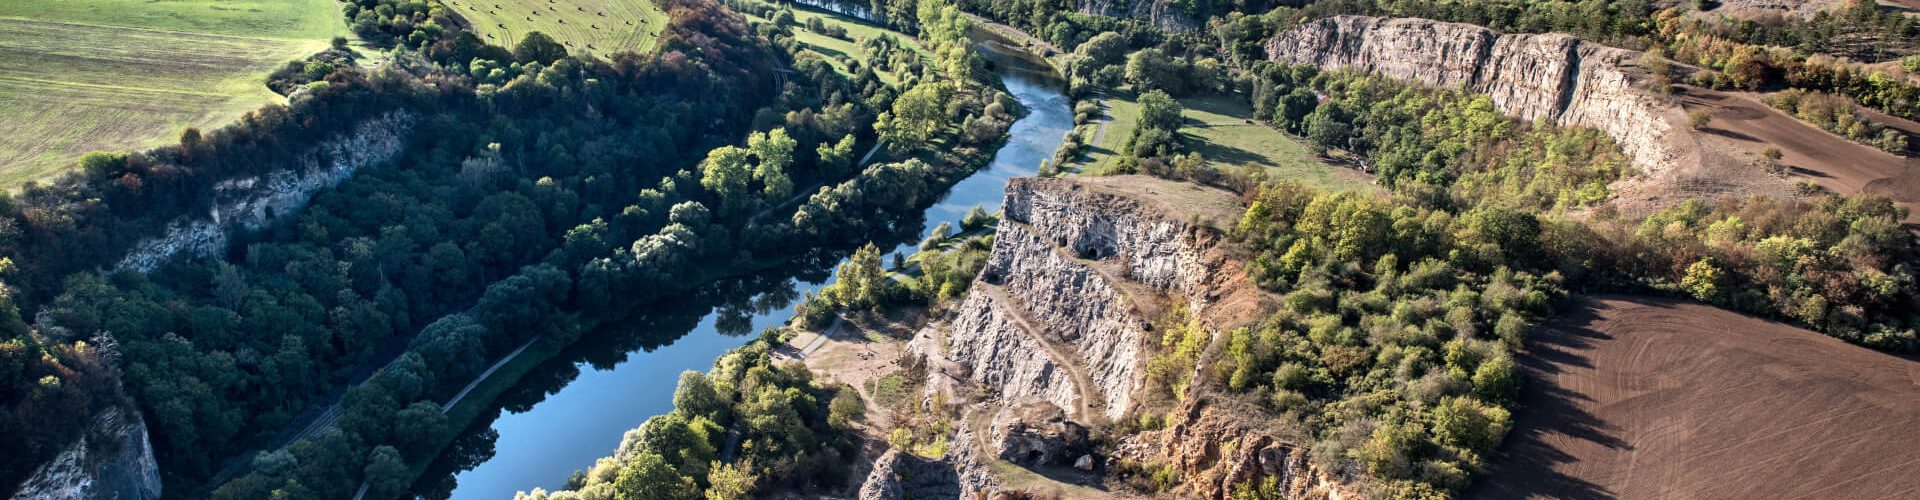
pixel 1218 128
pixel 107 75
pixel 832 49
pixel 596 27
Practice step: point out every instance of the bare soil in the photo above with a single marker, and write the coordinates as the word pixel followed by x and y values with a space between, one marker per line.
pixel 1634 397
pixel 1838 164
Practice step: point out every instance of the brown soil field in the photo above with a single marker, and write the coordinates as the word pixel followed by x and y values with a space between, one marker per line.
pixel 1632 397
pixel 1838 164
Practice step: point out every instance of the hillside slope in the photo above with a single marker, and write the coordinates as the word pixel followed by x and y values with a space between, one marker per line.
pixel 1653 398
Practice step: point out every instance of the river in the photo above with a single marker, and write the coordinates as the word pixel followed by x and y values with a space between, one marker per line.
pixel 574 409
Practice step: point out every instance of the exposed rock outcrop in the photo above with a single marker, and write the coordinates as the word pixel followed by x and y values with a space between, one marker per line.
pixel 1162 14
pixel 113 460
pixel 1037 434
pixel 1061 312
pixel 899 475
pixel 1055 334
pixel 250 203
pixel 1551 77
pixel 1219 452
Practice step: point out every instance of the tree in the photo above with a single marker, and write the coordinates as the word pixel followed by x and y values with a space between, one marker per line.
pixel 1104 49
pixel 1151 69
pixel 1159 111
pixel 1702 280
pixel 1698 119
pixel 729 482
pixel 697 396
pixel 540 48
pixel 419 426
pixel 920 112
pixel 1497 379
pixel 725 174
pixel 386 472
pixel 860 283
pixel 775 152
pixel 836 157
pixel 648 477
pixel 1327 126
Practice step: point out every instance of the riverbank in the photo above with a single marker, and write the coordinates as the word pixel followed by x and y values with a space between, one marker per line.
pixel 533 441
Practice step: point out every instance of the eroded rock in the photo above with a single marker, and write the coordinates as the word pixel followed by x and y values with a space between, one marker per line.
pixel 1551 77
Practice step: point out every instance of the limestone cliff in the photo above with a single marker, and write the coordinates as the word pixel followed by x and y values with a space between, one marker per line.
pixel 1551 77
pixel 1163 14
pixel 254 202
pixel 1062 316
pixel 113 460
pixel 1062 311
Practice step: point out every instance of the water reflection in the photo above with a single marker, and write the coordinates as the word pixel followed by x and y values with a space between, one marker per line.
pixel 574 408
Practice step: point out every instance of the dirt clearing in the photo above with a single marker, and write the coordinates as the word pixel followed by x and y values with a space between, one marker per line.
pixel 1653 398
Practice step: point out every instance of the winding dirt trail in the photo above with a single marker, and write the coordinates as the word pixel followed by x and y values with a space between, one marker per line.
pixel 1082 384
pixel 1632 397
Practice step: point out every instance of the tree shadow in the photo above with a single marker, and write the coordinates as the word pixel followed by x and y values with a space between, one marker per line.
pixel 1530 459
pixel 1809 172
pixel 1738 136
pixel 1223 153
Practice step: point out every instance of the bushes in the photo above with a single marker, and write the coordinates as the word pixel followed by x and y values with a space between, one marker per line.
pixel 1393 344
pixel 1838 115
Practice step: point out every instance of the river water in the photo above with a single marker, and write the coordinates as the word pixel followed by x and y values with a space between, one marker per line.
pixel 574 409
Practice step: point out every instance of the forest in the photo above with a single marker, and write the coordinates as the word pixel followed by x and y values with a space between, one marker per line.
pixel 506 220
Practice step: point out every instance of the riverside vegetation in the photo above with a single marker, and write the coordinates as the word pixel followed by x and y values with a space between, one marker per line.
pixel 541 190
pixel 1393 350
pixel 505 221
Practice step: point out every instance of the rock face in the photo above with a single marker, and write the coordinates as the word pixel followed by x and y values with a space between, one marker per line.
pixel 1056 332
pixel 1061 312
pixel 1161 13
pixel 250 203
pixel 1219 451
pixel 113 460
pixel 1551 77
pixel 898 476
pixel 1037 434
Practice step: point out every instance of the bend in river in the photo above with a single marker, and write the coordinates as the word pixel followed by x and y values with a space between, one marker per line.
pixel 574 409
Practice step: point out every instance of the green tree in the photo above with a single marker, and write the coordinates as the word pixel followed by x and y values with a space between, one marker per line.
pixel 836 157
pixel 725 174
pixel 540 48
pixel 920 112
pixel 775 151
pixel 386 472
pixel 1702 280
pixel 729 482
pixel 860 283
pixel 648 477
pixel 697 396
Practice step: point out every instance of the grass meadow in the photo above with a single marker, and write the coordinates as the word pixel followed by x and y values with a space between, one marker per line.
pixel 1221 129
pixel 109 75
pixel 597 27
pixel 834 50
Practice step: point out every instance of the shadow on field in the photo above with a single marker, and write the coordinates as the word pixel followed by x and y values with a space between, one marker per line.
pixel 1550 418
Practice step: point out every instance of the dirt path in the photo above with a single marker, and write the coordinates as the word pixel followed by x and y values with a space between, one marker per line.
pixel 1634 397
pixel 1082 383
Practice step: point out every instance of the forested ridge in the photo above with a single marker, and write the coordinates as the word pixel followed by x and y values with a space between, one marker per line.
pixel 517 186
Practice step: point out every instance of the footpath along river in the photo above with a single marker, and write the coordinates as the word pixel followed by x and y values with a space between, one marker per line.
pixel 574 409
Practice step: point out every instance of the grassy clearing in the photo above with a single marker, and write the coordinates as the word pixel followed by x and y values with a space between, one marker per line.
pixel 1221 130
pixel 104 75
pixel 597 27
pixel 834 50
pixel 278 19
